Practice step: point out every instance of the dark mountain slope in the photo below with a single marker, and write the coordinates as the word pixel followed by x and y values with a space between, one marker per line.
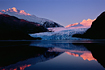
pixel 12 28
pixel 97 29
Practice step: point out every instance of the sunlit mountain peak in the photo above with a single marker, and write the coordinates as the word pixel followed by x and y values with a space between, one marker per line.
pixel 1 13
pixel 70 25
pixel 86 23
pixel 3 10
pixel 14 9
pixel 23 12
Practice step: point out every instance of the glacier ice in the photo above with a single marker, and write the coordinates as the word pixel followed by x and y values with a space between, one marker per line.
pixel 60 34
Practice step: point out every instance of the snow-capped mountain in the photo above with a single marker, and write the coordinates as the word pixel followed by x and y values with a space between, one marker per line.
pixel 13 28
pixel 84 23
pixel 74 25
pixel 21 14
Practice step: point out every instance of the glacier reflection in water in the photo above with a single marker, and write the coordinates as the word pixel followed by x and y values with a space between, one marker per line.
pixel 52 55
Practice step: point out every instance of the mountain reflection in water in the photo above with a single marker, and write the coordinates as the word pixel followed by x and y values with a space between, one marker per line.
pixel 26 55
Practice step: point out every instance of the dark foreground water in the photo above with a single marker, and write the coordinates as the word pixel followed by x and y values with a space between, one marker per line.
pixel 52 55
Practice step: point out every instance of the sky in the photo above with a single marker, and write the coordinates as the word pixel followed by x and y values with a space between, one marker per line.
pixel 64 12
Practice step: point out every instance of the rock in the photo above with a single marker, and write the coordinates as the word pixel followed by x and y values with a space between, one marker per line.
pixel 97 29
pixel 49 24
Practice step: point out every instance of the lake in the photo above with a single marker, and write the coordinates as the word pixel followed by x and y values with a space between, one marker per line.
pixel 52 55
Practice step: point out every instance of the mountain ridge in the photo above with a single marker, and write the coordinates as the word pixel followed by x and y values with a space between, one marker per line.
pixel 13 28
pixel 21 14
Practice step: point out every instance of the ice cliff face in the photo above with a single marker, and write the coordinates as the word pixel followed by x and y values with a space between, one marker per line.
pixel 21 14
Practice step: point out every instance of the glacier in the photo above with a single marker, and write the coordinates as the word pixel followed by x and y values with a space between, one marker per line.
pixel 61 33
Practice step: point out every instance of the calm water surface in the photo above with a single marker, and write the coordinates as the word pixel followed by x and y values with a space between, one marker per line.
pixel 52 55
